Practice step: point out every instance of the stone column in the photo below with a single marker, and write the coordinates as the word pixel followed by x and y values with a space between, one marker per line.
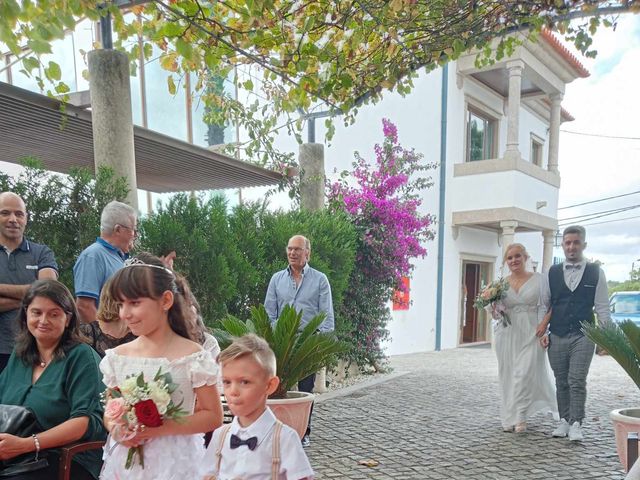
pixel 311 176
pixel 508 233
pixel 548 237
pixel 311 161
pixel 554 132
pixel 111 116
pixel 515 68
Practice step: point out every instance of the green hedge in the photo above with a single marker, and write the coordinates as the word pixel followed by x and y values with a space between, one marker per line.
pixel 64 210
pixel 229 256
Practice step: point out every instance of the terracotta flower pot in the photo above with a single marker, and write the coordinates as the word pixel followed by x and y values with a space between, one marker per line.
pixel 294 410
pixel 625 421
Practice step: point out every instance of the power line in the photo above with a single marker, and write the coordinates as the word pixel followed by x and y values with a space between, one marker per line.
pixel 600 200
pixel 611 221
pixel 601 213
pixel 598 135
pixel 564 223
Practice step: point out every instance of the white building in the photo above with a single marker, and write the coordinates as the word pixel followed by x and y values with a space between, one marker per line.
pixel 495 132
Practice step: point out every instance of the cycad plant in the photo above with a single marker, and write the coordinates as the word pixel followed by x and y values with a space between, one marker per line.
pixel 299 352
pixel 621 341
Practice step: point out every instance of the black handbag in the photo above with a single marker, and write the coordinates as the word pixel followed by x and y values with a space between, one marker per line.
pixel 21 422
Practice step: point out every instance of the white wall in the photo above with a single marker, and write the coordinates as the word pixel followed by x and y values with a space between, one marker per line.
pixel 500 190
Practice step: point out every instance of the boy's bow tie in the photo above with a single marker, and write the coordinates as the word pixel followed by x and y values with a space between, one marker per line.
pixel 575 266
pixel 251 442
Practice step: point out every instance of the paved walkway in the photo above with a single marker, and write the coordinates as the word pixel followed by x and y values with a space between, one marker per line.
pixel 437 417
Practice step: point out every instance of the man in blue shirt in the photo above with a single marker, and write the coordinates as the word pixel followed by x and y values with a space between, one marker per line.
pixel 307 290
pixel 21 263
pixel 101 259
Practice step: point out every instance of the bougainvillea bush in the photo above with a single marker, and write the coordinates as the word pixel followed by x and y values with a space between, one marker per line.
pixel 383 201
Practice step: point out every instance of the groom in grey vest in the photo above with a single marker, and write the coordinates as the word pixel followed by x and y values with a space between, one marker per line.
pixel 576 287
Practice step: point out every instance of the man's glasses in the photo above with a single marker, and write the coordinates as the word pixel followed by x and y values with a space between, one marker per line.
pixel 134 230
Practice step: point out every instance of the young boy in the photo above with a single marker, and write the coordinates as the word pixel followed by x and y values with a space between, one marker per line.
pixel 246 449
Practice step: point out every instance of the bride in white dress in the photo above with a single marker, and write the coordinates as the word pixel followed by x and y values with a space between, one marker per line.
pixel 525 376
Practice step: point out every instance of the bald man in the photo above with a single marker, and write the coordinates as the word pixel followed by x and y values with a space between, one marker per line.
pixel 306 289
pixel 23 263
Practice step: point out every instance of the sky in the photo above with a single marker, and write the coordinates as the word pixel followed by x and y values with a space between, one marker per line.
pixel 593 167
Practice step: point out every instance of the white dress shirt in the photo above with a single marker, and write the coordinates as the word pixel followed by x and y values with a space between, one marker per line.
pixel 245 464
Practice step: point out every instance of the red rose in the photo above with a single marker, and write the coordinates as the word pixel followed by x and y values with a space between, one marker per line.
pixel 148 414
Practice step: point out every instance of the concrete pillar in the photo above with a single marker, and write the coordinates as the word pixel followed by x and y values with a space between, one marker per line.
pixel 311 176
pixel 548 237
pixel 508 233
pixel 111 116
pixel 311 161
pixel 515 68
pixel 554 132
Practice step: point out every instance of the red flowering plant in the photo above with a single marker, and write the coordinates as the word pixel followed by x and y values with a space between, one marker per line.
pixel 384 205
pixel 139 403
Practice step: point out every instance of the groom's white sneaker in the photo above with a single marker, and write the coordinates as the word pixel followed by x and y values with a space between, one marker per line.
pixel 562 430
pixel 575 432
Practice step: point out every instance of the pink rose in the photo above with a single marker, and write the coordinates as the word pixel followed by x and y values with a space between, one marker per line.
pixel 115 409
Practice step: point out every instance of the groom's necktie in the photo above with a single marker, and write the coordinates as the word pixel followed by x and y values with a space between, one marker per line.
pixel 251 442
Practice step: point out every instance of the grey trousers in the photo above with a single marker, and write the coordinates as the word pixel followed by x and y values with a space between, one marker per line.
pixel 570 357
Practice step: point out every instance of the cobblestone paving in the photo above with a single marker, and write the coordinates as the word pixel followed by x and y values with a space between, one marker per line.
pixel 440 420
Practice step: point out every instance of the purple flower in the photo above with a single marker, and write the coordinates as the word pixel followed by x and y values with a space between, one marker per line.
pixel 389 130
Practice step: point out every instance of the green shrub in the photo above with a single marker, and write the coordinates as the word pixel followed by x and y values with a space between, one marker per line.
pixel 64 210
pixel 626 286
pixel 229 257
pixel 197 229
pixel 299 351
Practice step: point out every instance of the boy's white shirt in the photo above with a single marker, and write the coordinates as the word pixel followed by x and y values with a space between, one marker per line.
pixel 256 465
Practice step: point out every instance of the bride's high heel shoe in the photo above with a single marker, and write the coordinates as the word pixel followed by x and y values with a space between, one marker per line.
pixel 521 427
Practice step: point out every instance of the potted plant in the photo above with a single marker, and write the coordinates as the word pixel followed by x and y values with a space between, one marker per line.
pixel 622 342
pixel 299 353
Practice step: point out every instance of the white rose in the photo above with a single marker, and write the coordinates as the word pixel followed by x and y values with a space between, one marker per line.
pixel 160 397
pixel 128 387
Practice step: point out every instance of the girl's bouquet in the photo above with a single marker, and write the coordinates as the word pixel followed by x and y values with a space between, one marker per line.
pixel 491 296
pixel 137 404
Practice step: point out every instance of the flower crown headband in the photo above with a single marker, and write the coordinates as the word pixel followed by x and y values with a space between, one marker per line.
pixel 136 262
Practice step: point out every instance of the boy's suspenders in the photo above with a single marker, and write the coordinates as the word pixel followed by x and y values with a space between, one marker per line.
pixel 275 450
pixel 225 430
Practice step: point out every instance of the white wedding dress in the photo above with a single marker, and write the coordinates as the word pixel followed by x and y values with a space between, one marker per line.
pixel 525 375
pixel 175 457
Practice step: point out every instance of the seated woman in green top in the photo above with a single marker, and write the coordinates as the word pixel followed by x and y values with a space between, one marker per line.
pixel 55 374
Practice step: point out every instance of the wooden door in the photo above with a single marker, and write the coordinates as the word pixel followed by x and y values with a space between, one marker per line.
pixel 471 282
pixel 474 322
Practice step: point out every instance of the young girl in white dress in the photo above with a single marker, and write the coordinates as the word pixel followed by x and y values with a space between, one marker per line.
pixel 525 376
pixel 154 311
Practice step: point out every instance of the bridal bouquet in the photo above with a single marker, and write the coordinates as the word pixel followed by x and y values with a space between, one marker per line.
pixel 139 403
pixel 491 296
